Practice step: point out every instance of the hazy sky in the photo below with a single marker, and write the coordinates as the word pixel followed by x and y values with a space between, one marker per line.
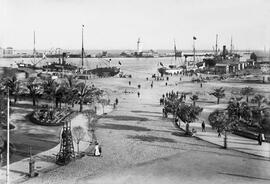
pixel 117 24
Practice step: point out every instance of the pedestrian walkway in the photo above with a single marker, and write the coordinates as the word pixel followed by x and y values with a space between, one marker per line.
pixel 44 161
pixel 234 142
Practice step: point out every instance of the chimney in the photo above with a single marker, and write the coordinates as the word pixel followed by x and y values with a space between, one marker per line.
pixel 224 51
pixel 63 58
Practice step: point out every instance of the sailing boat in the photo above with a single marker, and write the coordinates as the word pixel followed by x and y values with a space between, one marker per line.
pixel 33 66
pixel 171 69
pixel 99 71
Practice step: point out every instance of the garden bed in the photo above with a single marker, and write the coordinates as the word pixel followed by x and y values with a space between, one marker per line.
pixel 56 120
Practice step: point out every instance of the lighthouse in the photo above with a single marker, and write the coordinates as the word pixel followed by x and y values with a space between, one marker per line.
pixel 139 49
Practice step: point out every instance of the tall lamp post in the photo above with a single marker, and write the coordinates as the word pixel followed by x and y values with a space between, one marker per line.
pixel 7 173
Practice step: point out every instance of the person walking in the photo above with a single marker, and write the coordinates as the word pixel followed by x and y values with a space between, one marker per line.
pixel 129 82
pixel 203 126
pixel 260 139
pixel 116 101
pixel 219 132
pixel 138 94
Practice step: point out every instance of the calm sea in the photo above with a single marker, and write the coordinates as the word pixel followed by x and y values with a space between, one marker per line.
pixel 128 65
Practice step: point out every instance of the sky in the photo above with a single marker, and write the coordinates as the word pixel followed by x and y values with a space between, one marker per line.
pixel 117 24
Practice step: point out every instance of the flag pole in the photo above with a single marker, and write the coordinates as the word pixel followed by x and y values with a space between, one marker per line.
pixel 7 138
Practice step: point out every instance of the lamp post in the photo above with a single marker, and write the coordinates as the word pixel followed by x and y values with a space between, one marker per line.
pixel 7 172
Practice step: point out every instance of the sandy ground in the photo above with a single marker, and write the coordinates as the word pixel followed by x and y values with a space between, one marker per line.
pixel 139 146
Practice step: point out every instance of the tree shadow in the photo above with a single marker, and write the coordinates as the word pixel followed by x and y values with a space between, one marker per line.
pixel 146 112
pixel 150 138
pixel 122 127
pixel 125 118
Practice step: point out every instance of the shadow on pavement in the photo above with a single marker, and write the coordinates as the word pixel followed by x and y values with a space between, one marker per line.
pixel 122 127
pixel 125 118
pixel 150 138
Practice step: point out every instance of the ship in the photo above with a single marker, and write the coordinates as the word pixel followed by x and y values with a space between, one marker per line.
pixel 172 68
pixel 61 65
pixel 106 71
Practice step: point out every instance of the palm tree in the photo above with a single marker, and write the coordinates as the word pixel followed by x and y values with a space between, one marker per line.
pixel 259 99
pixel 14 87
pixel 234 107
pixel 245 111
pixel 49 89
pixel 70 84
pixel 188 114
pixel 247 91
pixel 85 93
pixel 220 120
pixel 59 94
pixel 194 98
pixel 35 89
pixel 218 93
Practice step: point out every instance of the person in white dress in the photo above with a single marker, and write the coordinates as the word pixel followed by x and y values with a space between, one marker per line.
pixel 97 150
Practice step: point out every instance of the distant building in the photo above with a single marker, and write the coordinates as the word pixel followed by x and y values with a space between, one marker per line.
pixel 265 67
pixel 228 66
pixel 1 52
pixel 8 51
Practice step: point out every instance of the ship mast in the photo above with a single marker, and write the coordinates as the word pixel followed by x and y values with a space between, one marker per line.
pixel 82 46
pixel 216 44
pixel 231 45
pixel 34 50
pixel 174 50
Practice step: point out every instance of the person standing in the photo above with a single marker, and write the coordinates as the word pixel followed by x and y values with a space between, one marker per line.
pixel 97 150
pixel 203 126
pixel 129 82
pixel 219 132
pixel 138 94
pixel 116 101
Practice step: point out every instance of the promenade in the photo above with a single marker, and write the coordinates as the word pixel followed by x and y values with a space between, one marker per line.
pixel 140 146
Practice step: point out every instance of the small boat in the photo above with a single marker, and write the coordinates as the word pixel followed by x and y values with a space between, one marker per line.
pixel 172 69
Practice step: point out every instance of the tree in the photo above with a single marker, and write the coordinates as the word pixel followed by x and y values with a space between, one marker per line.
pixel 218 93
pixel 220 120
pixel 35 89
pixel 233 107
pixel 71 84
pixel 188 114
pixel 253 56
pixel 245 111
pixel 92 121
pixel 259 99
pixel 194 98
pixel 247 91
pixel 78 135
pixel 14 87
pixel 85 94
